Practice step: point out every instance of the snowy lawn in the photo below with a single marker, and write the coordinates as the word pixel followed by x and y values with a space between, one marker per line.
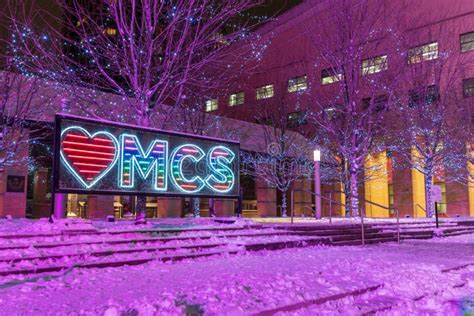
pixel 410 276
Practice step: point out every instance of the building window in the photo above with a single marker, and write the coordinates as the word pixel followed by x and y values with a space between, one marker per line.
pixel 265 92
pixel 330 75
pixel 297 84
pixel 211 105
pixel 236 98
pixel 467 42
pixel 422 53
pixel 110 31
pixel 379 103
pixel 423 96
pixel 296 119
pixel 374 65
pixel 468 87
pixel 265 120
pixel 329 112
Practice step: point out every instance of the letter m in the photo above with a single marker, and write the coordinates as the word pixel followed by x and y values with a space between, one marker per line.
pixel 150 163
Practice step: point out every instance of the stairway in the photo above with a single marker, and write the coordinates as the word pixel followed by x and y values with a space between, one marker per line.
pixel 351 234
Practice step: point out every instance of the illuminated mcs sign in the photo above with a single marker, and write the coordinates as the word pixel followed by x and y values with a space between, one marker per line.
pixel 107 158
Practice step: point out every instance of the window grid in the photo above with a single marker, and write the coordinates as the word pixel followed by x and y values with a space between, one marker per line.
pixel 422 53
pixel 297 84
pixel 265 92
pixel 211 105
pixel 467 42
pixel 296 119
pixel 330 75
pixel 468 87
pixel 424 96
pixel 379 103
pixel 374 65
pixel 236 98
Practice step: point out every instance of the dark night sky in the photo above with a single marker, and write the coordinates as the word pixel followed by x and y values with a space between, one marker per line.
pixel 276 7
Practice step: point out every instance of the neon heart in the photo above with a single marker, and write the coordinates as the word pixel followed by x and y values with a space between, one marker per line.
pixel 89 157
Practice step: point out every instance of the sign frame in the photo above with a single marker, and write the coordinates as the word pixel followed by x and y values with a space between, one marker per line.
pixel 57 160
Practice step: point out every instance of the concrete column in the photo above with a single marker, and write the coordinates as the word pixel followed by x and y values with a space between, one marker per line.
pixel 100 206
pixel 60 205
pixel 457 199
pixel 170 207
pixel 13 180
pixel 303 201
pixel 224 208
pixel 41 204
pixel 409 192
pixel 266 199
pixel 471 190
pixel 376 188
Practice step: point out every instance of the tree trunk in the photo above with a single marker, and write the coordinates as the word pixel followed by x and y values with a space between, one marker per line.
pixel 283 204
pixel 196 209
pixel 347 196
pixel 212 211
pixel 140 210
pixel 141 200
pixel 354 202
pixel 429 204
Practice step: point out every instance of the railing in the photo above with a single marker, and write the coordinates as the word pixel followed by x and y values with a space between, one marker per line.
pixel 330 200
pixel 386 208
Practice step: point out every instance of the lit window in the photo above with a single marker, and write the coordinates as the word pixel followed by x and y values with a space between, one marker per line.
pixel 468 87
pixel 374 65
pixel 236 98
pixel 265 92
pixel 424 52
pixel 219 40
pixel 211 105
pixel 467 42
pixel 329 112
pixel 110 31
pixel 297 84
pixel 330 75
pixel 423 96
pixel 79 22
pixel 296 119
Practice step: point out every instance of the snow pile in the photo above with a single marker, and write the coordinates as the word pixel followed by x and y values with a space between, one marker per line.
pixel 43 225
pixel 410 276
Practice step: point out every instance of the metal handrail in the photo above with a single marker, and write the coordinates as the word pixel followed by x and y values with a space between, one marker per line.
pixel 383 207
pixel 346 206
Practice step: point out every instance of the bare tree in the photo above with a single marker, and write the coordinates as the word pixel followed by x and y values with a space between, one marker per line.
pixel 152 53
pixel 287 156
pixel 22 102
pixel 354 46
pixel 435 130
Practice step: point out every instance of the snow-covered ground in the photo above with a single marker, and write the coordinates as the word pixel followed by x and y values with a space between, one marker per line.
pixel 412 278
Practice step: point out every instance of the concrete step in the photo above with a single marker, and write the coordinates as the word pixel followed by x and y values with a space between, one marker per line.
pixel 358 236
pixel 276 245
pixel 458 233
pixel 109 252
pixel 151 231
pixel 329 227
pixel 465 223
pixel 335 232
pixel 358 242
pixel 114 263
pixel 122 240
pixel 459 228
